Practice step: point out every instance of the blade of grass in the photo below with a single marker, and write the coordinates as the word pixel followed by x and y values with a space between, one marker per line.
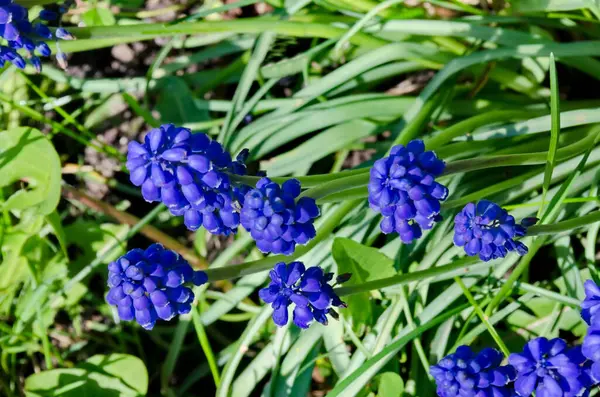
pixel 554 132
pixel 205 344
pixel 484 319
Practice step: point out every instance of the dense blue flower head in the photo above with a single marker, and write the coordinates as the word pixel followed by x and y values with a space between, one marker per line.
pixel 590 307
pixel 275 219
pixel 146 285
pixel 465 373
pixel 188 173
pixel 308 289
pixel 488 230
pixel 548 368
pixel 403 189
pixel 21 34
pixel 591 350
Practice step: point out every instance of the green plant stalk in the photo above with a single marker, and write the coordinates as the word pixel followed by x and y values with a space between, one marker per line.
pixel 324 230
pixel 401 279
pixel 411 323
pixel 412 128
pixel 396 345
pixel 564 226
pixel 102 256
pixel 554 133
pixel 484 319
pixel 467 262
pixel 40 117
pixel 205 344
pixel 459 166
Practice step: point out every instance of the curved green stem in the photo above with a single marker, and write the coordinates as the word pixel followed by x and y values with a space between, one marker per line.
pixel 564 226
pixel 484 319
pixel 323 231
pixel 520 159
pixel 305 181
pixel 464 264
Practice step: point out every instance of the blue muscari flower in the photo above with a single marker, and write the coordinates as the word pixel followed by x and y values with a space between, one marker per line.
pixel 488 230
pixel 189 174
pixel 403 189
pixel 548 368
pixel 465 373
pixel 591 350
pixel 308 289
pixel 20 34
pixel 590 307
pixel 277 220
pixel 150 284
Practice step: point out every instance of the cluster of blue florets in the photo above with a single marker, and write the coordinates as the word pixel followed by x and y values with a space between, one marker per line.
pixel 307 289
pixel 276 218
pixel 487 230
pixel 465 373
pixel 403 189
pixel 21 34
pixel 196 178
pixel 548 368
pixel 147 285
pixel 189 173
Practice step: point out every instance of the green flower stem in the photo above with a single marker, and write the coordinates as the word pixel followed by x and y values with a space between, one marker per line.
pixel 484 319
pixel 323 231
pixel 465 263
pixel 104 254
pixel 520 159
pixel 470 124
pixel 337 186
pixel 564 226
pixel 322 191
pixel 305 181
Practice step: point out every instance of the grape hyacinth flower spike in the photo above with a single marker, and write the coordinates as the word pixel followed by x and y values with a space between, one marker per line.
pixel 487 230
pixel 276 219
pixel 403 189
pixel 21 34
pixel 548 368
pixel 590 307
pixel 189 174
pixel 307 289
pixel 465 373
pixel 147 285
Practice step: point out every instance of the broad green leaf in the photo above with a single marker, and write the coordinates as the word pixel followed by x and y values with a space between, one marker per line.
pixel 365 264
pixel 389 384
pixel 98 16
pixel 99 376
pixel 174 102
pixel 28 156
pixel 91 238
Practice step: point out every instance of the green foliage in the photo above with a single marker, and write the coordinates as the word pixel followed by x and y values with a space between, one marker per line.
pixel 27 155
pixel 478 84
pixel 103 376
pixel 365 264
